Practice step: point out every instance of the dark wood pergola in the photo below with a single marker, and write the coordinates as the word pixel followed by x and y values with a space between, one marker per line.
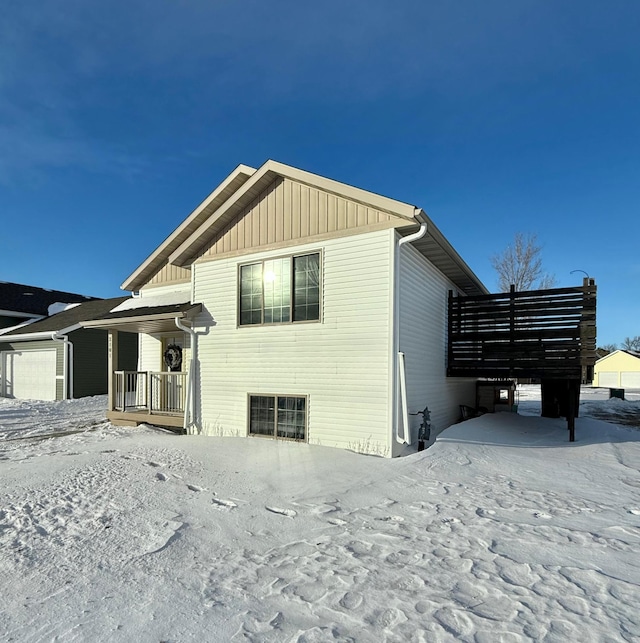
pixel 547 334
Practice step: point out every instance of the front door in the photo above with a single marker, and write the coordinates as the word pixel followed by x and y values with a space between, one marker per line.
pixel 171 382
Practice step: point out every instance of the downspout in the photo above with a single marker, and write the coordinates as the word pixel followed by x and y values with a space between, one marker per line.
pixel 188 411
pixel 398 357
pixel 67 355
pixel 67 367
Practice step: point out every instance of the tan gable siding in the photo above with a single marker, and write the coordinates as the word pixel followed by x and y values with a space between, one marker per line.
pixel 169 274
pixel 288 211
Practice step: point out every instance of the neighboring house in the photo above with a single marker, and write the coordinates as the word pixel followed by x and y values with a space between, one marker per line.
pixel 293 306
pixel 20 303
pixel 54 358
pixel 620 369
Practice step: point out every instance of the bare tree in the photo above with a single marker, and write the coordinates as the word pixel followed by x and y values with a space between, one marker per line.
pixel 608 348
pixel 631 343
pixel 520 264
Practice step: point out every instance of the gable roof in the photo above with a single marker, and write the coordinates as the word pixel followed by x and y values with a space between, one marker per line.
pixel 635 354
pixel 159 256
pixel 34 301
pixel 260 180
pixel 67 320
pixel 145 319
pixel 219 209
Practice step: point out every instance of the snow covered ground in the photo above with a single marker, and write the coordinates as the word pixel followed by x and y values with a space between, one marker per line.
pixel 501 531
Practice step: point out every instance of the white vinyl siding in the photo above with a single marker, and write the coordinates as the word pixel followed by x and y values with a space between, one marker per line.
pixel 150 346
pixel 149 353
pixel 340 364
pixel 423 339
pixel 152 291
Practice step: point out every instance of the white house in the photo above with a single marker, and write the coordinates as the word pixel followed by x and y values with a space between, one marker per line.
pixel 293 306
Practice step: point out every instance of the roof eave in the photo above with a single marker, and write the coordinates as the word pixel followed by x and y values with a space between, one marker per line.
pixel 160 254
pixel 145 322
pixel 43 334
pixel 451 252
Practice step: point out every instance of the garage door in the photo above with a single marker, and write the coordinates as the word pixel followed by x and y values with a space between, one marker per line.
pixel 30 374
pixel 608 378
pixel 630 379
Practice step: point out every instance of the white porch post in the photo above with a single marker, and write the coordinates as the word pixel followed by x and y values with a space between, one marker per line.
pixel 112 366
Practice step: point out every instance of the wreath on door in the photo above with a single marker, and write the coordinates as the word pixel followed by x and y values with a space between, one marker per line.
pixel 173 357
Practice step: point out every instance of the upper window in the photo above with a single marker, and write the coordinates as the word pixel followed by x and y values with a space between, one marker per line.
pixel 280 290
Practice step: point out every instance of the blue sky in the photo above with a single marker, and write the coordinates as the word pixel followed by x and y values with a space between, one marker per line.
pixel 496 117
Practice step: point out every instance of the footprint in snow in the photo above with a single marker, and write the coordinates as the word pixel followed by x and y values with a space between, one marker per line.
pixel 160 476
pixel 539 514
pixel 483 513
pixel 194 487
pixel 635 512
pixel 224 504
pixel 155 464
pixel 290 513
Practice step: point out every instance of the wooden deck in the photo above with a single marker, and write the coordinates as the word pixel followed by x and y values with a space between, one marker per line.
pixel 135 418
pixel 546 334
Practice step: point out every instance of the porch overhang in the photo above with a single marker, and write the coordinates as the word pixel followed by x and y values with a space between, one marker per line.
pixel 149 320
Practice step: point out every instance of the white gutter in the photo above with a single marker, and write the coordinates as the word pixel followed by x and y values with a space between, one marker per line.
pixel 400 388
pixel 189 406
pixel 67 368
pixel 43 334
pixel 67 355
pixel 14 313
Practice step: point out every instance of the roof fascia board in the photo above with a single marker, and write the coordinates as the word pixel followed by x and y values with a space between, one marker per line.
pixel 182 254
pixel 442 241
pixel 364 197
pixel 116 321
pixel 23 324
pixel 43 334
pixel 130 282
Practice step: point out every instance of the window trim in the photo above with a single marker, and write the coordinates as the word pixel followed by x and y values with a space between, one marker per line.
pixel 273 436
pixel 291 256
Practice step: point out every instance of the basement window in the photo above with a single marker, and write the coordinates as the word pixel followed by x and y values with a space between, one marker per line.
pixel 278 416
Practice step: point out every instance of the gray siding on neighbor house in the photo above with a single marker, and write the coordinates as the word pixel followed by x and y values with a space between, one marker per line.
pixel 128 351
pixel 90 359
pixel 89 362
pixel 39 345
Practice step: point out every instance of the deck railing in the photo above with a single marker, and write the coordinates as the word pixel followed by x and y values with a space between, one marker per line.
pixel 539 333
pixel 161 393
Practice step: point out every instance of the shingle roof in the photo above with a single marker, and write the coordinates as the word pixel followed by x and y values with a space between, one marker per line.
pixel 31 300
pixel 88 310
pixel 172 309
